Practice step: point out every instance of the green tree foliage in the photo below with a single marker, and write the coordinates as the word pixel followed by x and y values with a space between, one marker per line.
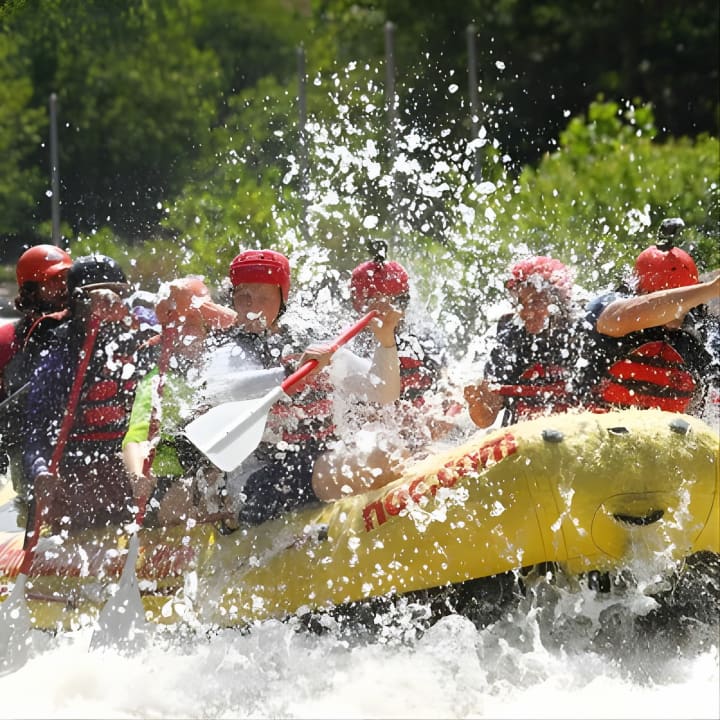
pixel 21 126
pixel 232 199
pixel 538 61
pixel 179 125
pixel 136 99
pixel 140 86
pixel 599 199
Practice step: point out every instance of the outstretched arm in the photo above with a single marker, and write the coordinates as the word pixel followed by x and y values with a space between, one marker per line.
pixel 627 315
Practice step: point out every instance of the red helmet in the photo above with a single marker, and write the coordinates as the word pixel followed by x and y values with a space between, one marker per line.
pixel 658 269
pixel 262 266
pixel 547 270
pixel 373 278
pixel 40 263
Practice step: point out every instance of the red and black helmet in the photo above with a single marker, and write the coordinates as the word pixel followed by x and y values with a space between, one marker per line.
pixel 375 278
pixel 262 266
pixel 41 263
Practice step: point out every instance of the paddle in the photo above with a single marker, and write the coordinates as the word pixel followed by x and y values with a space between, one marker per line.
pixel 230 432
pixel 15 621
pixel 8 401
pixel 121 622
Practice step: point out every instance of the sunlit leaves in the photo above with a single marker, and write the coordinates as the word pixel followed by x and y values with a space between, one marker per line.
pixel 21 127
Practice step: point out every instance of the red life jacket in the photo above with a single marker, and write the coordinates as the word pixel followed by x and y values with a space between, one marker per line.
pixel 103 410
pixel 309 416
pixel 654 375
pixel 415 378
pixel 539 390
pixel 421 361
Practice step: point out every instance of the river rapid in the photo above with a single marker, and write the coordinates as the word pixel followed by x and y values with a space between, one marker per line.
pixel 515 667
pixel 561 651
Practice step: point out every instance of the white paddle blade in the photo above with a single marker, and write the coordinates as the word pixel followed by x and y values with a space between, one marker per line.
pixel 229 433
pixel 15 627
pixel 121 623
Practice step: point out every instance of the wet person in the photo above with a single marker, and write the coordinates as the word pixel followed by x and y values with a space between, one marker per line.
pixel 278 476
pixel 649 348
pixel 41 273
pixel 532 366
pixel 422 357
pixel 179 483
pixel 377 438
pixel 91 487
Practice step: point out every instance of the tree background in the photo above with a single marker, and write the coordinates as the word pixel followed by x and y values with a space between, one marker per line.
pixel 179 134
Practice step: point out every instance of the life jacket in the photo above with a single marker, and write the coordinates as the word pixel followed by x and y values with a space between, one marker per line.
pixel 420 367
pixel 665 368
pixel 540 389
pixel 106 397
pixel 654 374
pixel 533 371
pixel 22 355
pixel 309 415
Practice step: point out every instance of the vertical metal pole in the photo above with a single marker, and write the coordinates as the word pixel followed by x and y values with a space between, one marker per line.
pixel 302 141
pixel 471 34
pixel 390 99
pixel 54 171
pixel 391 106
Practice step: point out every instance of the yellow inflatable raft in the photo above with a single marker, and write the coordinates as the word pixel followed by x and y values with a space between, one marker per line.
pixel 587 491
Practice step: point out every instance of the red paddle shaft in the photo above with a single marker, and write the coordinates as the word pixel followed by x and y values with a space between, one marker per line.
pixel 306 368
pixel 67 422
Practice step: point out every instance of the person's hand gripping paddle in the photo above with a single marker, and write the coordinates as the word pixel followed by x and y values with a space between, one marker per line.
pixel 230 432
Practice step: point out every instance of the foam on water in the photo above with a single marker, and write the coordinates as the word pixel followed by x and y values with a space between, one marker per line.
pixel 506 670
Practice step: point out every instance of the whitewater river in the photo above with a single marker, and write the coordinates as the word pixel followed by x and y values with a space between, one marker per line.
pixel 454 670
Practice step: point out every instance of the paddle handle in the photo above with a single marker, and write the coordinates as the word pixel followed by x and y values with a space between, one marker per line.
pixel 307 367
pixel 65 427
pixel 15 396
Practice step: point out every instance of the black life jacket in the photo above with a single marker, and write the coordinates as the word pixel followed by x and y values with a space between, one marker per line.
pixel 21 346
pixel 534 372
pixel 31 337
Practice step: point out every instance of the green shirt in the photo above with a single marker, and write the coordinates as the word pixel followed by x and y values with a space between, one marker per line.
pixel 174 411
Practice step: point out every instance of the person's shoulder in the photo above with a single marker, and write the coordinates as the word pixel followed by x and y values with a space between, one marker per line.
pixel 8 335
pixel 597 304
pixel 8 331
pixel 508 324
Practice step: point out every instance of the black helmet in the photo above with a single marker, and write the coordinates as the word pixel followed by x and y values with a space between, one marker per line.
pixel 95 270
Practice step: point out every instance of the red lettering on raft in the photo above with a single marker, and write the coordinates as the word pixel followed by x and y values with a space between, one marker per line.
pixel 394 501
